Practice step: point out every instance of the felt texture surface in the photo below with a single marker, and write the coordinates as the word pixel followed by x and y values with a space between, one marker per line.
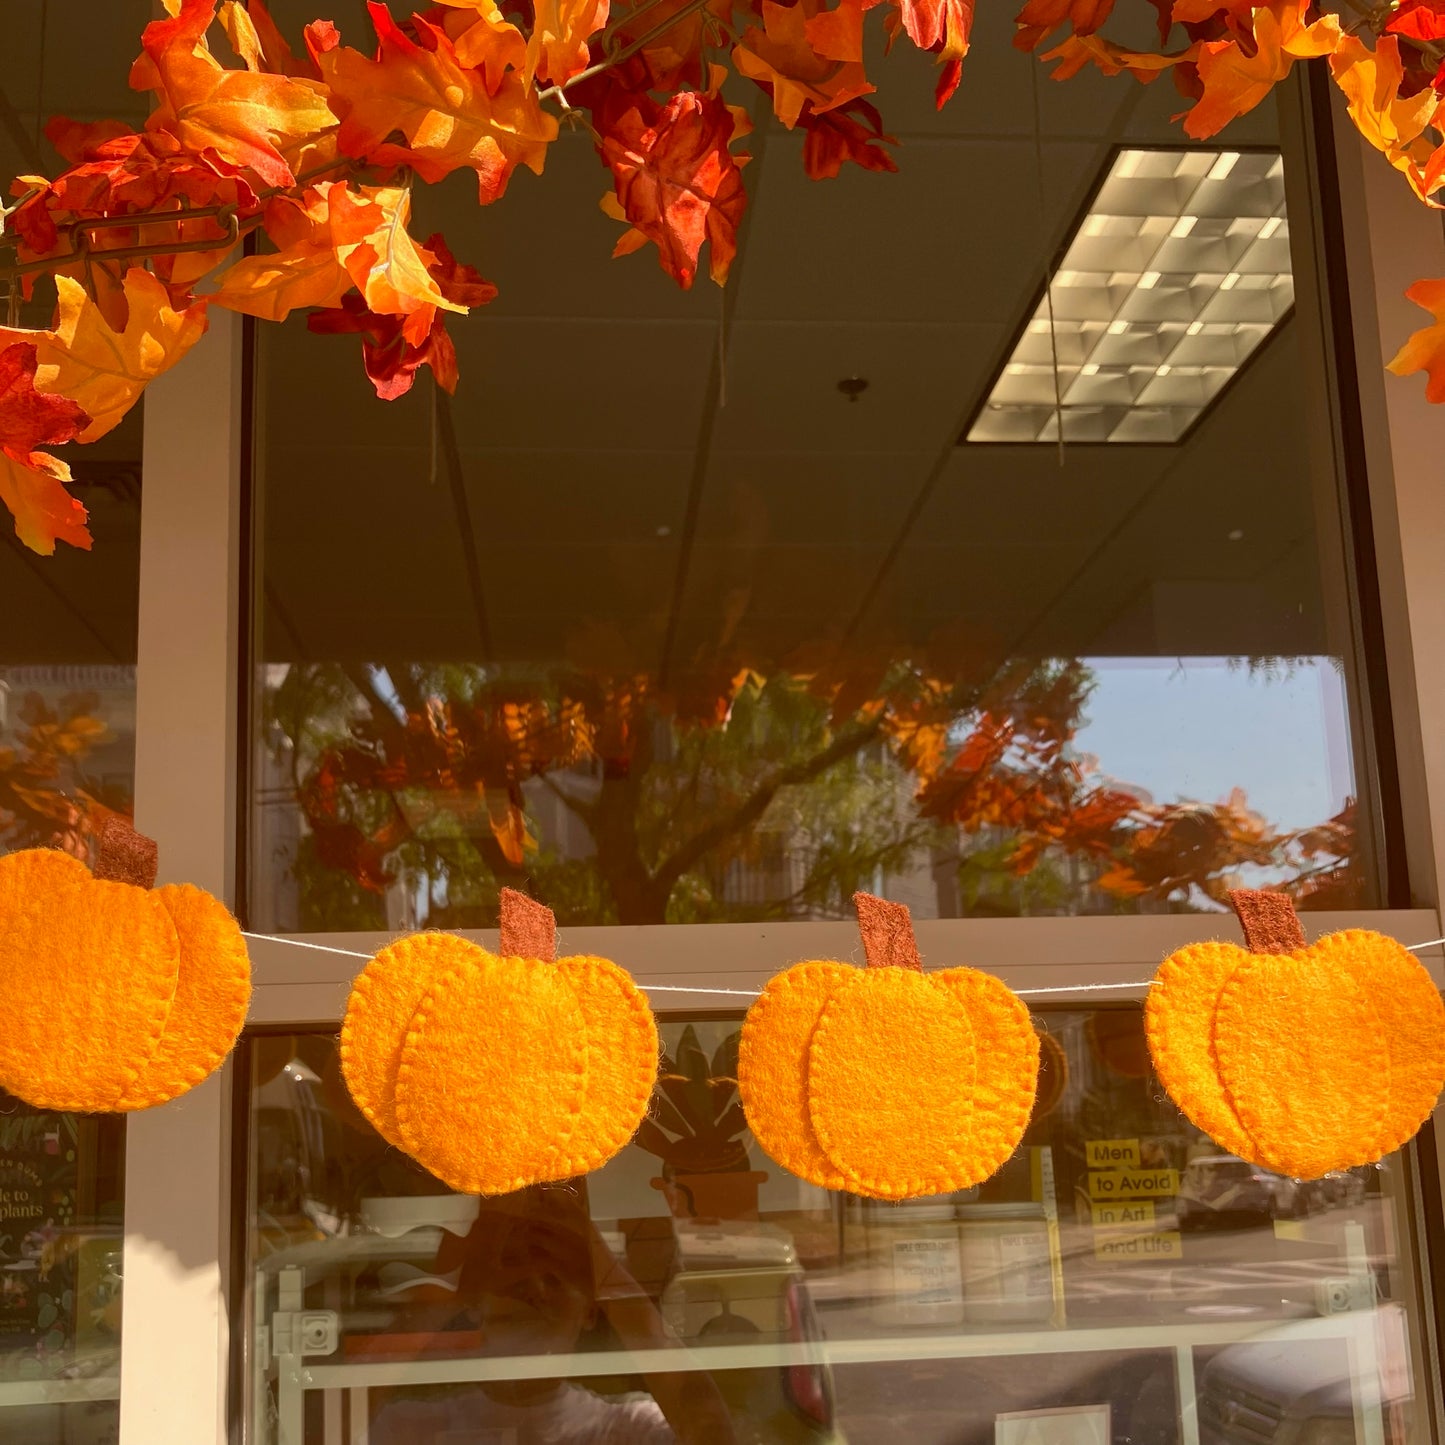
pixel 213 990
pixel 104 957
pixel 126 856
pixel 887 933
pixel 384 997
pixel 622 1059
pixel 1007 1078
pixel 891 1071
pixel 773 1068
pixel 1301 1055
pixel 1179 1025
pixel 493 1076
pixel 1412 1018
pixel 529 928
pixel 1268 919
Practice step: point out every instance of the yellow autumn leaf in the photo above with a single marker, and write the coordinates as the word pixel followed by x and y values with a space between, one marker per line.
pixel 102 370
pixel 1395 125
pixel 388 269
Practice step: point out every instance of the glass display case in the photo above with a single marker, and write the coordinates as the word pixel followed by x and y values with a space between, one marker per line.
pixel 1120 1280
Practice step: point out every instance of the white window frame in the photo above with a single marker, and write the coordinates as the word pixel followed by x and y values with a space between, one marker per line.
pixel 175 1363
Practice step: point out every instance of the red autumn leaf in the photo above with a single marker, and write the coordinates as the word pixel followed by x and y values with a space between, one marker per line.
pixel 853 132
pixel 1422 20
pixel 30 418
pixel 120 172
pixel 673 58
pixel 77 141
pixel 456 281
pixel 391 360
pixel 1040 18
pixel 942 26
pixel 31 481
pixel 677 183
pixel 445 111
pixel 948 82
pixel 238 117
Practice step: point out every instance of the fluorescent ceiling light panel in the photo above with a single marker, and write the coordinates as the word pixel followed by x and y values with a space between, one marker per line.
pixel 1174 278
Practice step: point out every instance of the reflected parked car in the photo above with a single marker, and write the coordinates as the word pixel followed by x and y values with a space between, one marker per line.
pixel 1302 1392
pixel 1220 1191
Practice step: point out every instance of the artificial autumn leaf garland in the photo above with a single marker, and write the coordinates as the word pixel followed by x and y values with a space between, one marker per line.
pixel 315 151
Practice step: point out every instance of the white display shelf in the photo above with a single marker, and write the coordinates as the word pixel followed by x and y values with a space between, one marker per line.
pixel 1358 1329
pixel 878 1350
pixel 15 1393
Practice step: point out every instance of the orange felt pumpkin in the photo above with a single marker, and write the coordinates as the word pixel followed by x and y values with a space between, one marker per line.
pixel 116 995
pixel 888 1081
pixel 499 1071
pixel 1304 1059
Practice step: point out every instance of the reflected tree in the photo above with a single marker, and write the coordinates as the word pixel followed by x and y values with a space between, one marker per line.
pixel 743 794
pixel 48 798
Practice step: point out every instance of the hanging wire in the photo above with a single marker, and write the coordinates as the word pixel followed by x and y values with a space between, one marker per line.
pixel 1048 257
pixel 1065 988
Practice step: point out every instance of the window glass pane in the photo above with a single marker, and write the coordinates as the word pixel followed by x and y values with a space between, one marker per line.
pixel 696 608
pixel 1119 1280
pixel 61 1226
pixel 67 762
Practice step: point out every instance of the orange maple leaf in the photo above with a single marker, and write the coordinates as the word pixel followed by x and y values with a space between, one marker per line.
pixel 1393 124
pixel 104 371
pixel 484 39
pixel 557 49
pixel 1425 350
pixel 1234 82
pixel 307 269
pixel 786 54
pixel 239 117
pixel 447 113
pixel 31 481
pixel 1079 51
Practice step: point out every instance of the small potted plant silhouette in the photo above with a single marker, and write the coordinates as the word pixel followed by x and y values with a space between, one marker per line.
pixel 696 1127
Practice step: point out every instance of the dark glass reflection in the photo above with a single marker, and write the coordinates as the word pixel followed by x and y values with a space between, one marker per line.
pixel 1119 1276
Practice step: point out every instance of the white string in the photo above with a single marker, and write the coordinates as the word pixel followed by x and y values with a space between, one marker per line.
pixel 753 993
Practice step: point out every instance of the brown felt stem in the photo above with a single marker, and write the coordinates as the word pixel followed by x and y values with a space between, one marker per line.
pixel 887 931
pixel 529 929
pixel 126 856
pixel 1269 921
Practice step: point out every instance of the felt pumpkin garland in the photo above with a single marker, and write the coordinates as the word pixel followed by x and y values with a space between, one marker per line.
pixel 1301 1058
pixel 116 995
pixel 888 1081
pixel 497 1071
